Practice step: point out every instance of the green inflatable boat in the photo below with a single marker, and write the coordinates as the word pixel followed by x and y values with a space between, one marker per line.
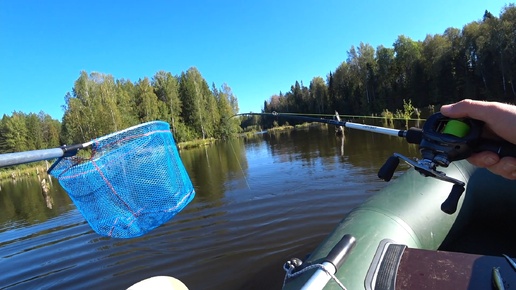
pixel 401 239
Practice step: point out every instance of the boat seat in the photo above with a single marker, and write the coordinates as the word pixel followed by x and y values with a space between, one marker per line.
pixel 401 268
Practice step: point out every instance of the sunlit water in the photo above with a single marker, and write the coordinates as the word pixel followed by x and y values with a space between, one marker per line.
pixel 259 202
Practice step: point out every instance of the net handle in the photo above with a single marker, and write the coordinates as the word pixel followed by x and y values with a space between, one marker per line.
pixel 17 158
pixel 10 159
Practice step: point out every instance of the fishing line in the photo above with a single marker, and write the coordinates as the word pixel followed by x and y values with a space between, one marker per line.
pixel 239 165
pixel 330 115
pixel 207 158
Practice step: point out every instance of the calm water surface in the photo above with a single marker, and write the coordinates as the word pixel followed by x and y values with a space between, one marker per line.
pixel 259 202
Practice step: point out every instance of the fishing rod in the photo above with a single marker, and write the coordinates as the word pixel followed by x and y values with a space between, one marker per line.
pixel 355 116
pixel 375 129
pixel 441 141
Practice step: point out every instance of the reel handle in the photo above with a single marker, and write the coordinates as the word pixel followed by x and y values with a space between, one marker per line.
pixel 449 206
pixel 387 170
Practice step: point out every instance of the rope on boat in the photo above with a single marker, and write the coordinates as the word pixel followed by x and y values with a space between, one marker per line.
pixel 290 268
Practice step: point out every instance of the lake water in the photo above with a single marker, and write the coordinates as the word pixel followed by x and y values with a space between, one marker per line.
pixel 259 201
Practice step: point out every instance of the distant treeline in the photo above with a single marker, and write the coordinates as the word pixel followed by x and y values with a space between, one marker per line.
pixel 99 105
pixel 477 62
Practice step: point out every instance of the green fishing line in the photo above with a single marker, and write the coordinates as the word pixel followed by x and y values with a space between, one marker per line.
pixel 456 128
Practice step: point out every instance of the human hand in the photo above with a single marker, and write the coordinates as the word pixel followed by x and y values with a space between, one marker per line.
pixel 499 120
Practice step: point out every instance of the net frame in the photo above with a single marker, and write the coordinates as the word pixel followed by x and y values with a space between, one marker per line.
pixel 133 182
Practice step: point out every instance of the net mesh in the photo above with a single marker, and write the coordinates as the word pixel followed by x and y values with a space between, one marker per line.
pixel 133 182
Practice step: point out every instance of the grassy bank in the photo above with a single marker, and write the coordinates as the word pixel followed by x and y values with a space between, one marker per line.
pixel 280 128
pixel 195 143
pixel 22 171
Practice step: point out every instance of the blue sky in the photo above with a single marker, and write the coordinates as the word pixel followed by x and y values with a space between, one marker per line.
pixel 258 48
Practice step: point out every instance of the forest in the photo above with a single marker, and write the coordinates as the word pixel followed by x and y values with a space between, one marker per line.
pixel 477 62
pixel 99 105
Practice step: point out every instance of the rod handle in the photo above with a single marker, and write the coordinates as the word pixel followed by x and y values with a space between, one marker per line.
pixel 503 148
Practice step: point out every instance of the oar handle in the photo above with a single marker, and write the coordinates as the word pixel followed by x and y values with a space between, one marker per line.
pixel 339 253
pixel 332 263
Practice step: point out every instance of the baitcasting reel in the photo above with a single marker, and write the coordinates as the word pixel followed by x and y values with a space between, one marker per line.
pixel 442 141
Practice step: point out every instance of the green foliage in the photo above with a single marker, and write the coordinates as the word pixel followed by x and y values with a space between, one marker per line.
pixel 408 109
pixel 166 88
pixel 22 132
pixel 227 106
pixel 407 112
pixel 251 123
pixel 388 116
pixel 101 105
pixel 192 90
pixel 96 108
pixel 319 97
pixel 15 132
pixel 147 106
pixel 477 62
